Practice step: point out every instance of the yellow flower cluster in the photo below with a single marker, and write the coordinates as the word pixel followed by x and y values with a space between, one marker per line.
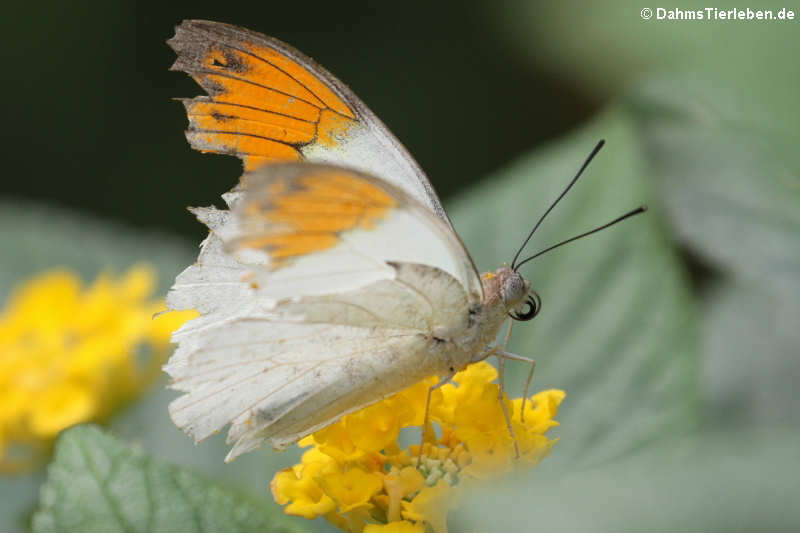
pixel 358 477
pixel 70 354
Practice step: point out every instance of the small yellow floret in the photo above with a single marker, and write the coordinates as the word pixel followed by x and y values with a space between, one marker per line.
pixel 302 493
pixel 431 506
pixel 351 489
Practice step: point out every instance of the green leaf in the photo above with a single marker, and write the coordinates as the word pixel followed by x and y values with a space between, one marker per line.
pixel 730 197
pixel 96 483
pixel 751 364
pixel 617 329
pixel 725 480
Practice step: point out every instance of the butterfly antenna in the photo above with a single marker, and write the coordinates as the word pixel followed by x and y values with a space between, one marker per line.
pixel 560 196
pixel 640 209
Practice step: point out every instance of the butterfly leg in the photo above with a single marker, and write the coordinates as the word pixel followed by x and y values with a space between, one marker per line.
pixel 442 382
pixel 508 334
pixel 503 355
pixel 501 368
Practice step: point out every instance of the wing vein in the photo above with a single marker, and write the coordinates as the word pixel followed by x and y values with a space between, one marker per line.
pixel 204 99
pixel 274 391
pixel 210 72
pixel 242 134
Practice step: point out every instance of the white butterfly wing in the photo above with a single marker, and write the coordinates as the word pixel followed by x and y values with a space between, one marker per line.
pixel 268 102
pixel 323 290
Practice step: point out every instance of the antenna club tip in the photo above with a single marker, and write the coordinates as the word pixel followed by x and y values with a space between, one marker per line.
pixel 643 207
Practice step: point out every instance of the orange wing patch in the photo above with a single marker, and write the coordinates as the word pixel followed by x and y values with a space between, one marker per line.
pixel 307 214
pixel 265 100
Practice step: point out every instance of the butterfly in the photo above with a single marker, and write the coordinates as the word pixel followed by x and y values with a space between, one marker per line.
pixel 335 278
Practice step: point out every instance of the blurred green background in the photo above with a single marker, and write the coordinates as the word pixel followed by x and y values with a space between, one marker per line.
pixel 675 335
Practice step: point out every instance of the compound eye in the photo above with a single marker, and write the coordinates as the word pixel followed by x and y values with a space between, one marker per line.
pixel 532 307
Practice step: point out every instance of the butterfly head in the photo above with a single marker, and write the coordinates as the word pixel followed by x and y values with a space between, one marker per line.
pixel 509 289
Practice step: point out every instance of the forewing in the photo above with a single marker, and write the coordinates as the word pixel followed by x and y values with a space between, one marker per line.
pixel 268 102
pixel 321 291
